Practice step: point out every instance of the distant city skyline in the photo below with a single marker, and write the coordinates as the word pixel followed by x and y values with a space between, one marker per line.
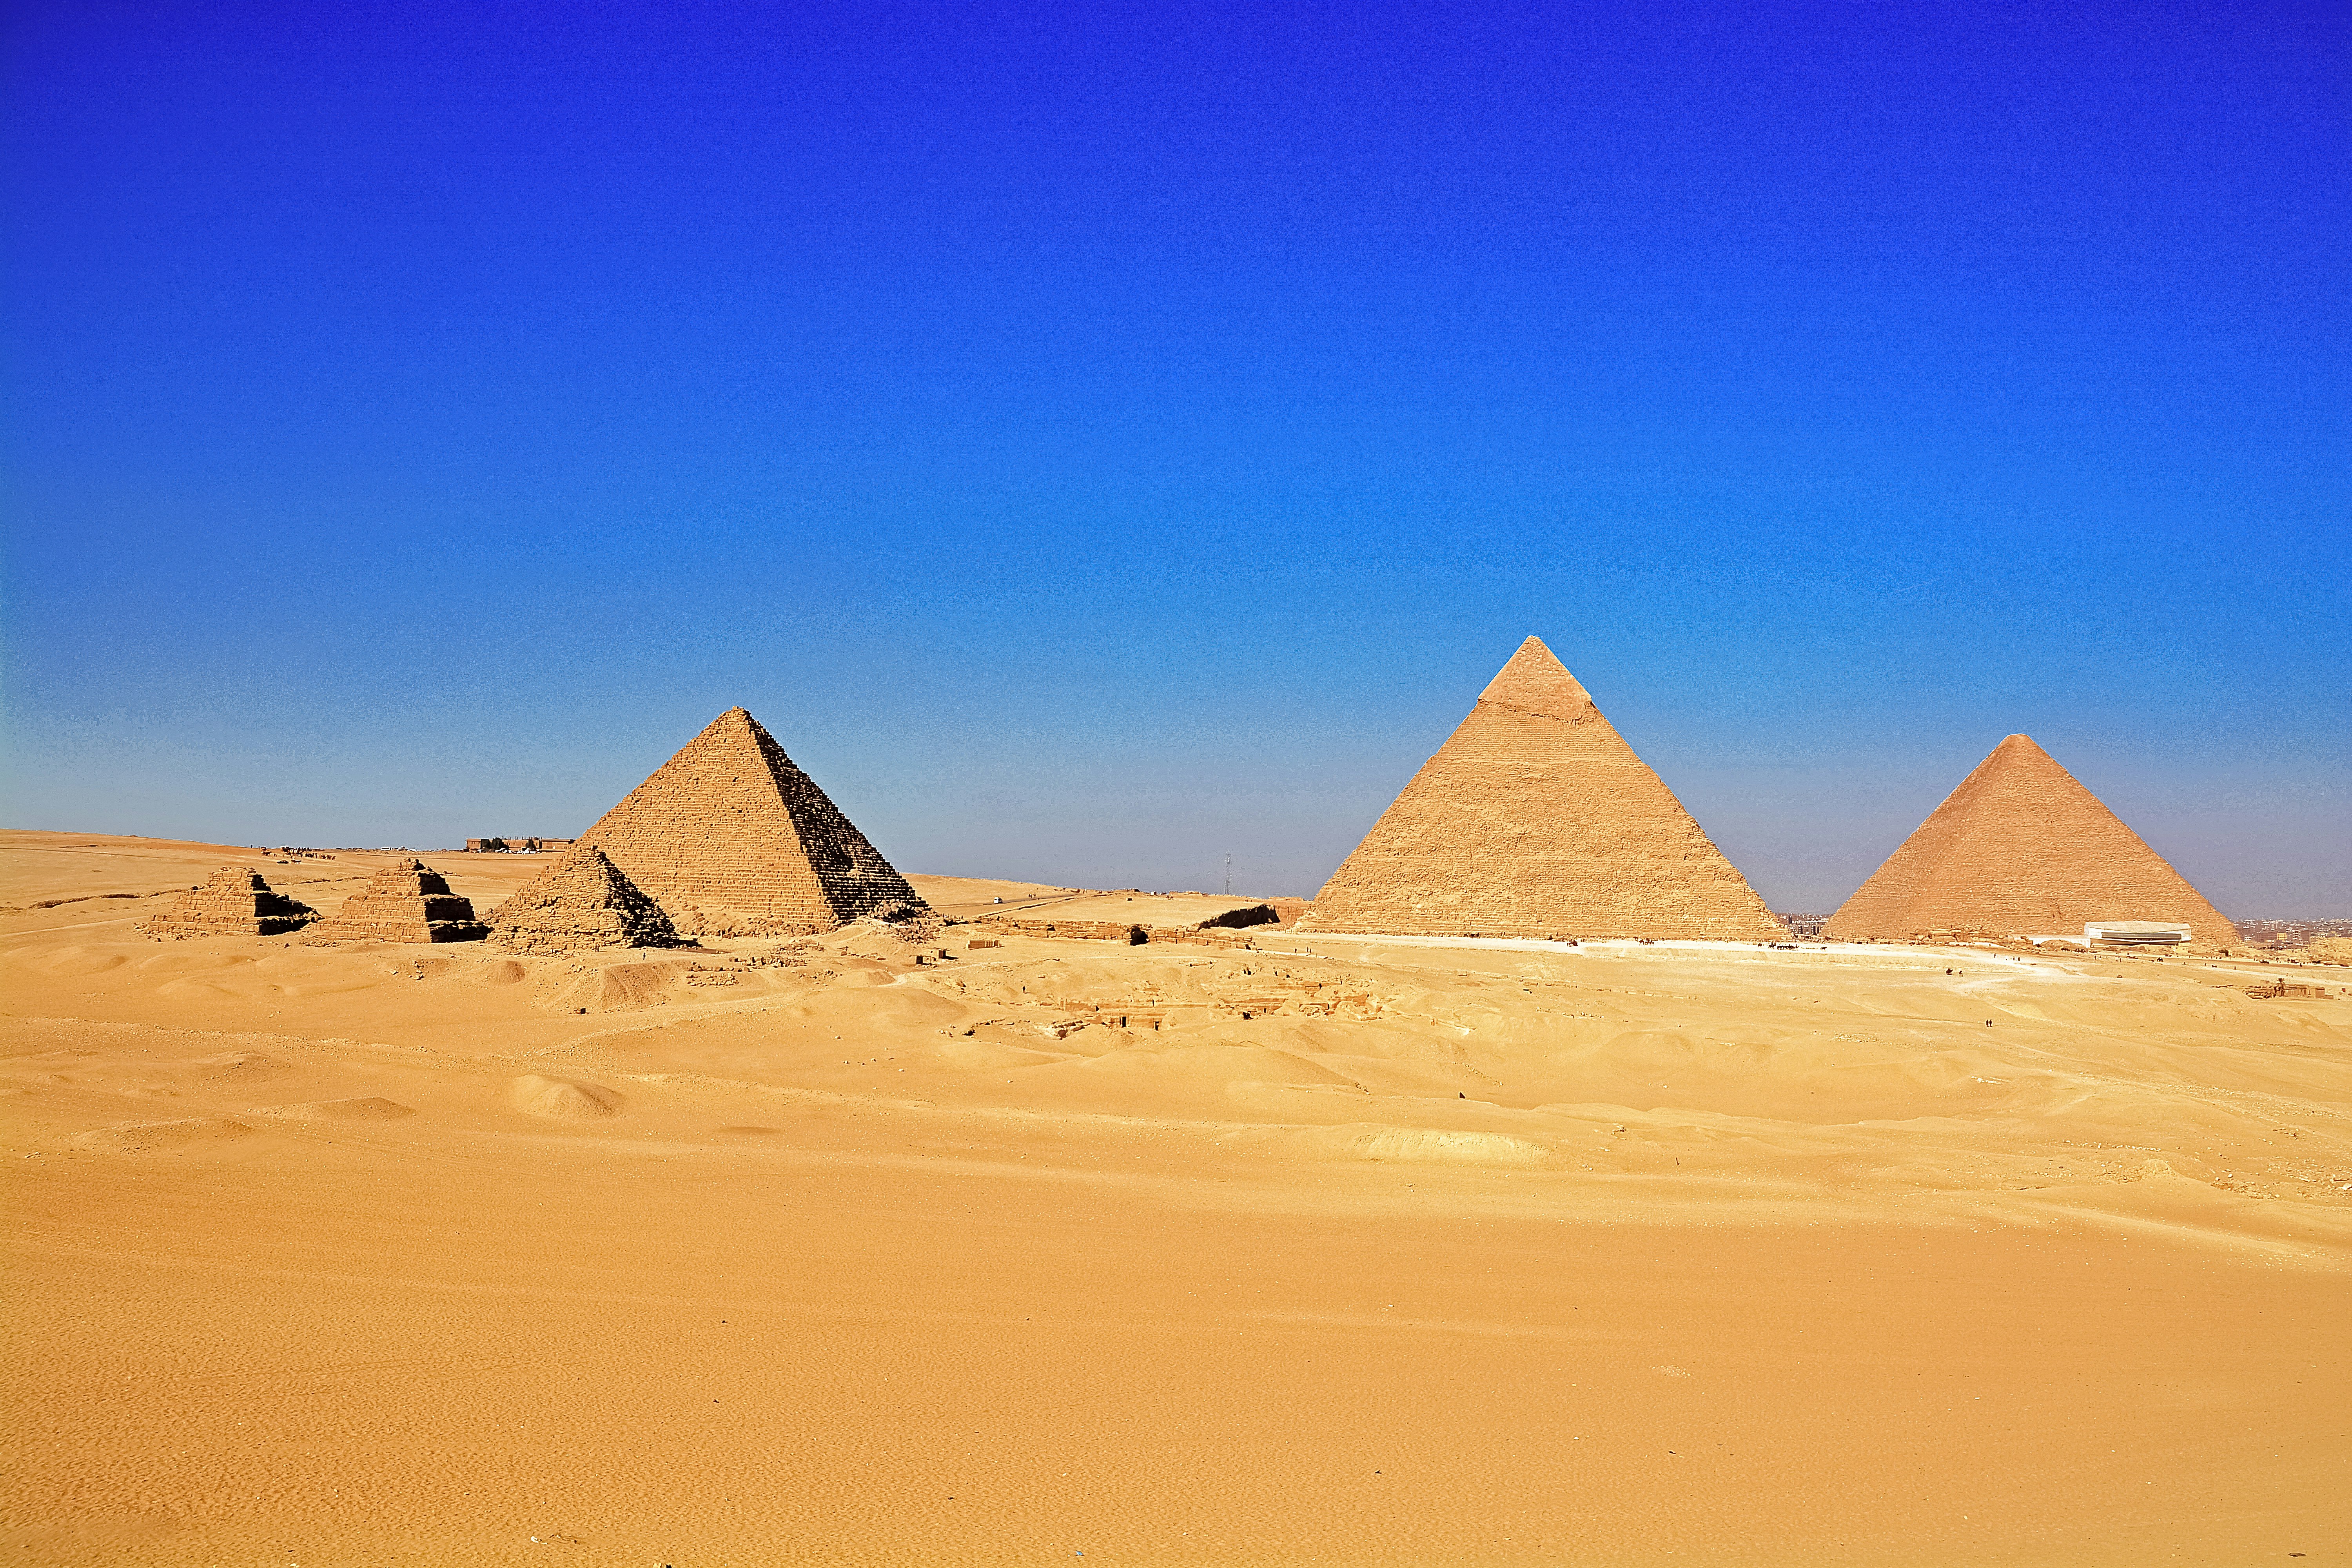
pixel 1095 443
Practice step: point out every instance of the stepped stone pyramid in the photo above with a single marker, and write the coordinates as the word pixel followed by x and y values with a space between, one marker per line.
pixel 582 900
pixel 731 839
pixel 233 902
pixel 2022 849
pixel 1536 820
pixel 409 902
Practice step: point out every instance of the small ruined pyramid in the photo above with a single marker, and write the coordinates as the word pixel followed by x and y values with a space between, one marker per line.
pixel 234 901
pixel 582 900
pixel 731 839
pixel 1536 820
pixel 2021 849
pixel 406 901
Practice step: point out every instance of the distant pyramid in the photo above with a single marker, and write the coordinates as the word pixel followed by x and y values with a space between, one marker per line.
pixel 2022 849
pixel 731 839
pixel 582 900
pixel 233 902
pixel 1536 820
pixel 406 901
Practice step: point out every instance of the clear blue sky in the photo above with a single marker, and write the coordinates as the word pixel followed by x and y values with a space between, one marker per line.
pixel 1094 439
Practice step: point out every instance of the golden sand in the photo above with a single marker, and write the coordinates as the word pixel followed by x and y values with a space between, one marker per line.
pixel 1370 1251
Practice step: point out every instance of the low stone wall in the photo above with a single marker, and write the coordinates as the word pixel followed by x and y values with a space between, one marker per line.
pixel 1124 931
pixel 1200 936
pixel 2285 990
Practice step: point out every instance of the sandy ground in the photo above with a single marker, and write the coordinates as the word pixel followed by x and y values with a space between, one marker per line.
pixel 1339 1251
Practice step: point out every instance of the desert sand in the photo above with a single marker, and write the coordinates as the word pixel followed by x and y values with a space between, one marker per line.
pixel 1343 1249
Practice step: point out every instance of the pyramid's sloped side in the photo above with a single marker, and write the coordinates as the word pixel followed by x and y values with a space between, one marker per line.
pixel 233 902
pixel 731 838
pixel 2022 849
pixel 405 902
pixel 1536 820
pixel 581 902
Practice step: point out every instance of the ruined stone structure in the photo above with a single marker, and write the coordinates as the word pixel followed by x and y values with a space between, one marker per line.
pixel 731 839
pixel 1536 820
pixel 1126 932
pixel 1228 929
pixel 2023 850
pixel 406 901
pixel 234 901
pixel 581 902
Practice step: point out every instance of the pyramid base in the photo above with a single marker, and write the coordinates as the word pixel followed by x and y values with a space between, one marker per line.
pixel 164 927
pixel 701 920
pixel 331 930
pixel 544 942
pixel 1543 931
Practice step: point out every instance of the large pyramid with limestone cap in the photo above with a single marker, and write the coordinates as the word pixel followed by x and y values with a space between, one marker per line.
pixel 2022 849
pixel 1536 820
pixel 731 839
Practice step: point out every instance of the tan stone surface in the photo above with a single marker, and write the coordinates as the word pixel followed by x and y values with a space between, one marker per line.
pixel 1126 932
pixel 2022 849
pixel 581 902
pixel 1536 820
pixel 235 902
pixel 406 901
pixel 731 838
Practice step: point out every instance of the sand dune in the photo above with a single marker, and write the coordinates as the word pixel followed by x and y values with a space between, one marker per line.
pixel 560 1100
pixel 362 1107
pixel 1339 1249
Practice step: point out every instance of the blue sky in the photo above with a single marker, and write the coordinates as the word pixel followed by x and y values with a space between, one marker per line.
pixel 1097 439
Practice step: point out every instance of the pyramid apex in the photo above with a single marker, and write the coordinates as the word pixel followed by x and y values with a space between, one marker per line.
pixel 1533 677
pixel 2016 751
pixel 736 720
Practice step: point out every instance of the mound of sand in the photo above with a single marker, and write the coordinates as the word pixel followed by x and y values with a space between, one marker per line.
pixel 560 1099
pixel 368 1108
pixel 243 1066
pixel 607 988
pixel 157 1137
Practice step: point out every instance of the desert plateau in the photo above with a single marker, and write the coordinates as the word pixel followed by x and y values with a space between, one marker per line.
pixel 1269 1245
